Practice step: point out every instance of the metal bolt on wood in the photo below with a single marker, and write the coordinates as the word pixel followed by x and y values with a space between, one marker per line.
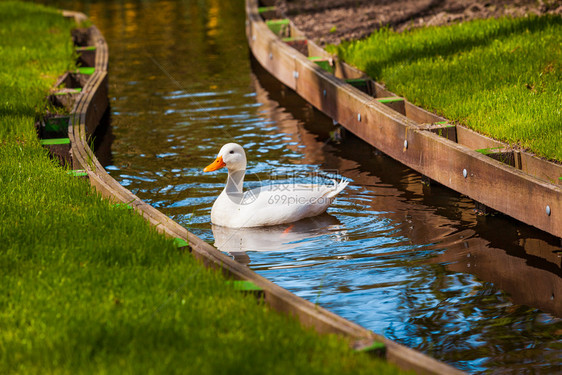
pixel 465 173
pixel 548 210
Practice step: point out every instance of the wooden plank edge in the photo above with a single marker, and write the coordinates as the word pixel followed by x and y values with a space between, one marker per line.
pixel 277 297
pixel 299 64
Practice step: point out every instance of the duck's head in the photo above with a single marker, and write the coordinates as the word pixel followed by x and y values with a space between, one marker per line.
pixel 232 156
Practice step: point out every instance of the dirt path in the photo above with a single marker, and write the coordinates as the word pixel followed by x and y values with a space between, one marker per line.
pixel 331 21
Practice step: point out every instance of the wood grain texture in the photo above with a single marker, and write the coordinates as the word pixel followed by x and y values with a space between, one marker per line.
pixel 523 196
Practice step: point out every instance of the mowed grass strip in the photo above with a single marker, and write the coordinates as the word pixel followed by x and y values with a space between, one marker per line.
pixel 89 287
pixel 501 77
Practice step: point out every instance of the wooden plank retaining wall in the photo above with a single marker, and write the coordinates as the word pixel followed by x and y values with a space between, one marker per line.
pixel 88 109
pixel 529 190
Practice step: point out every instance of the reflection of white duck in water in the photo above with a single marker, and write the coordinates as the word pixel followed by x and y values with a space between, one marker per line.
pixel 266 205
pixel 279 237
pixel 313 231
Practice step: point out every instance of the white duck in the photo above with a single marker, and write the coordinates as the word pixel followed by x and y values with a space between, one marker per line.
pixel 266 205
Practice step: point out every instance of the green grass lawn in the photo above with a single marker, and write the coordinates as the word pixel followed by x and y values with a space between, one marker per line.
pixel 87 287
pixel 501 77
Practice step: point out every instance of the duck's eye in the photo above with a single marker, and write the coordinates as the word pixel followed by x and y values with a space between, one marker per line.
pixel 232 151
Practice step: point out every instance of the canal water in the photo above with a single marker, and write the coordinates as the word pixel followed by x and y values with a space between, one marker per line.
pixel 412 262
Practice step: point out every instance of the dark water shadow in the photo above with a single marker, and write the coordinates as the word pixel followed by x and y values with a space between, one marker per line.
pixel 103 138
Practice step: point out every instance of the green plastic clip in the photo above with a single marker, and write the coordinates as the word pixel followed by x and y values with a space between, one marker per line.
pixel 359 83
pixel 265 9
pixel 78 173
pixel 86 48
pixel 246 286
pixel 355 81
pixel 290 39
pixel 377 348
pixel 390 100
pixel 54 141
pixel 69 91
pixel 488 151
pixel 86 70
pixel 322 63
pixel 180 242
pixel 277 26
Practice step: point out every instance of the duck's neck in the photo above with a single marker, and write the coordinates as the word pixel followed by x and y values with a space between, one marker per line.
pixel 235 182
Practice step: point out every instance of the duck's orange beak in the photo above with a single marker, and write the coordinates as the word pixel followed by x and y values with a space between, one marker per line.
pixel 217 164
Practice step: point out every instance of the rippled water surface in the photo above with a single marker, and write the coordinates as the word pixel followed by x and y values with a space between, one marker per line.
pixel 411 262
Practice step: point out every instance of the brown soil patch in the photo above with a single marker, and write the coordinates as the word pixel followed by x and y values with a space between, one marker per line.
pixel 331 21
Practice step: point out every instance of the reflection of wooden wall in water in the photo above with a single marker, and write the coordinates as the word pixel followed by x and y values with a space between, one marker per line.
pixel 532 282
pixel 424 215
pixel 286 122
pixel 541 249
pixel 420 226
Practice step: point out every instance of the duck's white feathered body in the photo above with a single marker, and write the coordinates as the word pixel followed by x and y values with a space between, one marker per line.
pixel 273 204
pixel 266 205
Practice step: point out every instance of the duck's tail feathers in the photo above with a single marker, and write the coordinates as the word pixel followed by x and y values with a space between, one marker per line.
pixel 338 187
